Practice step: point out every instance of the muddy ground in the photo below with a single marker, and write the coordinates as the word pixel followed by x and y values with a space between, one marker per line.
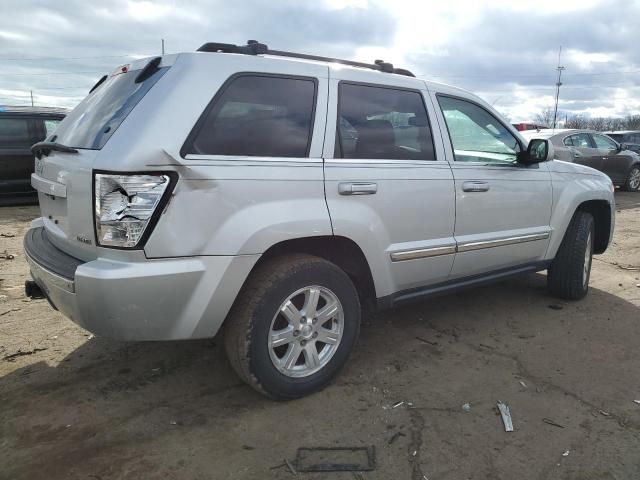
pixel 77 407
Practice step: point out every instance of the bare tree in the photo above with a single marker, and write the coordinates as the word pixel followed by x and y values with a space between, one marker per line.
pixel 545 117
pixel 632 122
pixel 576 121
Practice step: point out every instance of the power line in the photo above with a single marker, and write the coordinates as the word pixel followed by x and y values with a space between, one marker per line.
pixel 533 75
pixel 49 73
pixel 28 59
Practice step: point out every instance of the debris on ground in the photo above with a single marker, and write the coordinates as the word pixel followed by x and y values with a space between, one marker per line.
pixel 335 459
pixel 173 422
pixel 555 307
pixel 551 422
pixel 395 437
pixel 630 267
pixel 506 416
pixel 424 340
pixel 290 467
pixel 566 453
pixel 20 353
pixel 6 255
pixel 523 384
pixel 606 414
pixel 7 235
pixel 9 311
pixel 398 404
pixel 637 401
pixel 466 407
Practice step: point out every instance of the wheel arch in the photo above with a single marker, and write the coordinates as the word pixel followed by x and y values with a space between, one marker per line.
pixel 600 210
pixel 341 251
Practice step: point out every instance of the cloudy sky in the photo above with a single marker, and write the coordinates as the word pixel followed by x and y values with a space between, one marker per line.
pixel 504 50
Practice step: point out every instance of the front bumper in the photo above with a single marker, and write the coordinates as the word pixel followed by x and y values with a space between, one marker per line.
pixel 164 299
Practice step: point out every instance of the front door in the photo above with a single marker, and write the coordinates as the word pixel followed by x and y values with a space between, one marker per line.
pixel 503 208
pixel 614 164
pixel 388 186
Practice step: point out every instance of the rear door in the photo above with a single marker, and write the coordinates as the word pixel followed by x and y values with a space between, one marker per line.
pixel 17 134
pixel 503 208
pixel 388 186
pixel 614 164
pixel 583 150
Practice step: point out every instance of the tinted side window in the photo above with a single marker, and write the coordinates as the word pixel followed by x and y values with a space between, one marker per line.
pixel 476 135
pixel 14 132
pixel 383 123
pixel 259 116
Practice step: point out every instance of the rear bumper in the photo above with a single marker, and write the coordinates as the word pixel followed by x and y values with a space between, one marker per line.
pixel 165 299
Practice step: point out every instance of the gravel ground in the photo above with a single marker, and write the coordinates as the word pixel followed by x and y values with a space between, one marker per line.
pixel 77 407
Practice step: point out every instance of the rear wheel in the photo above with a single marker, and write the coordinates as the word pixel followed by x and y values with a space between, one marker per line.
pixel 569 273
pixel 293 326
pixel 633 179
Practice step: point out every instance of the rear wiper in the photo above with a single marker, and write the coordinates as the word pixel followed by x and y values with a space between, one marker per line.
pixel 45 148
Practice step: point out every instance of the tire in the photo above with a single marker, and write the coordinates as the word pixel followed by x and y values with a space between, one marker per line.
pixel 568 275
pixel 632 184
pixel 258 312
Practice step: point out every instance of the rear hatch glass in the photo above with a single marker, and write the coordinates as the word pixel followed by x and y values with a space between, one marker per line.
pixel 96 118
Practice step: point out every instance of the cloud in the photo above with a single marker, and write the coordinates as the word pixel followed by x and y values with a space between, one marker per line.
pixel 504 50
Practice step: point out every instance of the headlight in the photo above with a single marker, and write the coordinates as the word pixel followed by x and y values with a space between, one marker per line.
pixel 125 206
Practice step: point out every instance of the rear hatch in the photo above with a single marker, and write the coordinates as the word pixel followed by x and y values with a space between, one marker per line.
pixel 64 180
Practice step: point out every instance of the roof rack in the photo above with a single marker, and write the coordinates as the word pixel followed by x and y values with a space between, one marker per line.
pixel 253 47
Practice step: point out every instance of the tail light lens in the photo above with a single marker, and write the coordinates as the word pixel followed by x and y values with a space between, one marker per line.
pixel 126 206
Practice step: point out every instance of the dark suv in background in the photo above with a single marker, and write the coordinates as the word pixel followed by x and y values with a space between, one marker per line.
pixel 21 127
pixel 630 139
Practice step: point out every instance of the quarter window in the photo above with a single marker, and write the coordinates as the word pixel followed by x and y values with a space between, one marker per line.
pixel 383 123
pixel 476 135
pixel 260 116
pixel 14 132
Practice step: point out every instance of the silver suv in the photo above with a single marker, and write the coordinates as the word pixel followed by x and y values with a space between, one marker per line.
pixel 279 194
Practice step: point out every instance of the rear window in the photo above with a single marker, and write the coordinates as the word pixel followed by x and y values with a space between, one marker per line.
pixel 96 118
pixel 258 115
pixel 14 132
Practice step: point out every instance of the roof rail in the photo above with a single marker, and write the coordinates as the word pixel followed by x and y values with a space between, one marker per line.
pixel 254 47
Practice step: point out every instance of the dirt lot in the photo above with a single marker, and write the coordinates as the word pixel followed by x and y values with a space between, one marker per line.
pixel 74 406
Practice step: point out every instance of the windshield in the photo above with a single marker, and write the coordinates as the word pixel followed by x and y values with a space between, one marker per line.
pixel 96 118
pixel 618 137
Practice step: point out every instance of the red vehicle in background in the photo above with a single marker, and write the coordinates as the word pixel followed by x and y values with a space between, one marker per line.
pixel 521 127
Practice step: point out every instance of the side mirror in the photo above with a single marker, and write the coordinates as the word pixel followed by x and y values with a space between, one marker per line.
pixel 622 147
pixel 539 150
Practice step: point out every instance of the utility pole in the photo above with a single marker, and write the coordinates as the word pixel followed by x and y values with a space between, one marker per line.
pixel 31 91
pixel 162 45
pixel 560 68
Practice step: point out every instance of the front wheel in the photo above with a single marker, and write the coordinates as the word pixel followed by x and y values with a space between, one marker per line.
pixel 293 326
pixel 633 180
pixel 568 275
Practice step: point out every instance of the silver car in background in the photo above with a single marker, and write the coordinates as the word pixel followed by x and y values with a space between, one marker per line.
pixel 595 150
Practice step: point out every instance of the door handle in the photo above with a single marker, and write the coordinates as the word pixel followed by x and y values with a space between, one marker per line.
pixel 475 186
pixel 577 154
pixel 357 188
